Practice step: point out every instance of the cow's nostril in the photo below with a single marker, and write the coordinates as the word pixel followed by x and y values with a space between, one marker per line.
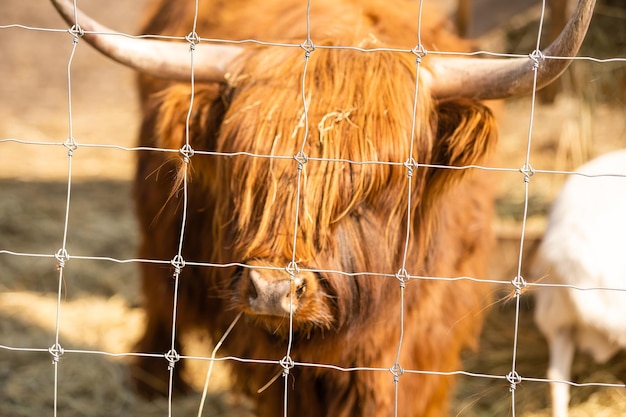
pixel 252 292
pixel 255 281
pixel 301 289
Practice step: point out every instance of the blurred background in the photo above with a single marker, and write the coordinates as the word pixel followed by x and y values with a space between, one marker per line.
pixel 581 116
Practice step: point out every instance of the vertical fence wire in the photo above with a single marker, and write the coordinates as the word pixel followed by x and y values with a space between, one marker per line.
pixel 178 261
pixel 519 283
pixel 62 255
pixel 411 165
pixel 301 160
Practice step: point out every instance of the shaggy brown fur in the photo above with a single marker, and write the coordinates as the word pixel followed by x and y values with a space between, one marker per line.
pixel 352 217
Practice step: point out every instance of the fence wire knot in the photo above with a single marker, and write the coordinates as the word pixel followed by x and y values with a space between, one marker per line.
pixel 519 283
pixel 308 47
pixel 397 371
pixel 77 32
pixel 301 158
pixel 71 145
pixel 287 363
pixel 292 269
pixel 537 57
pixel 193 40
pixel 172 357
pixel 403 276
pixel 528 171
pixel 62 256
pixel 514 379
pixel 187 152
pixel 179 263
pixel 411 165
pixel 56 351
pixel 420 52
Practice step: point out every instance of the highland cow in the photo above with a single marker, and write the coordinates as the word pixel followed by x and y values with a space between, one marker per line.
pixel 331 278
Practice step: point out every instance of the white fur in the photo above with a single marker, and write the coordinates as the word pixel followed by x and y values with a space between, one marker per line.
pixel 585 246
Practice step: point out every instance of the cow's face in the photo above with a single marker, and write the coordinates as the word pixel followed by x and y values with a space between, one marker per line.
pixel 332 190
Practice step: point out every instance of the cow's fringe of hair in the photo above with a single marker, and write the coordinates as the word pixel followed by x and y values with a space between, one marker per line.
pixel 368 121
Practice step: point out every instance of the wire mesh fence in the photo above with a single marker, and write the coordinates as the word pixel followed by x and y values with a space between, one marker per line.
pixel 70 272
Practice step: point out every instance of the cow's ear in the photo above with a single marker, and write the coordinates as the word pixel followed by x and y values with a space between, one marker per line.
pixel 466 133
pixel 173 109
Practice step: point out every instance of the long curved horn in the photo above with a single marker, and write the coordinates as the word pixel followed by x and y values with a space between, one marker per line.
pixel 500 78
pixel 452 77
pixel 159 58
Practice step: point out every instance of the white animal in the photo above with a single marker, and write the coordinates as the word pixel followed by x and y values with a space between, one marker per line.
pixel 584 246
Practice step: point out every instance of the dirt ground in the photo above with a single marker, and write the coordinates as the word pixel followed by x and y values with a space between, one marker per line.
pixel 100 307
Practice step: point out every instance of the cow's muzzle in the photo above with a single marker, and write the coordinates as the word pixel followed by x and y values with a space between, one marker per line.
pixel 273 294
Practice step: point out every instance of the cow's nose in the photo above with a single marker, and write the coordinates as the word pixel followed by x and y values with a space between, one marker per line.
pixel 276 297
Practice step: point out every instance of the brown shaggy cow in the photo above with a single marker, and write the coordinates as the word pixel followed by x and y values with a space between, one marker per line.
pixel 351 218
